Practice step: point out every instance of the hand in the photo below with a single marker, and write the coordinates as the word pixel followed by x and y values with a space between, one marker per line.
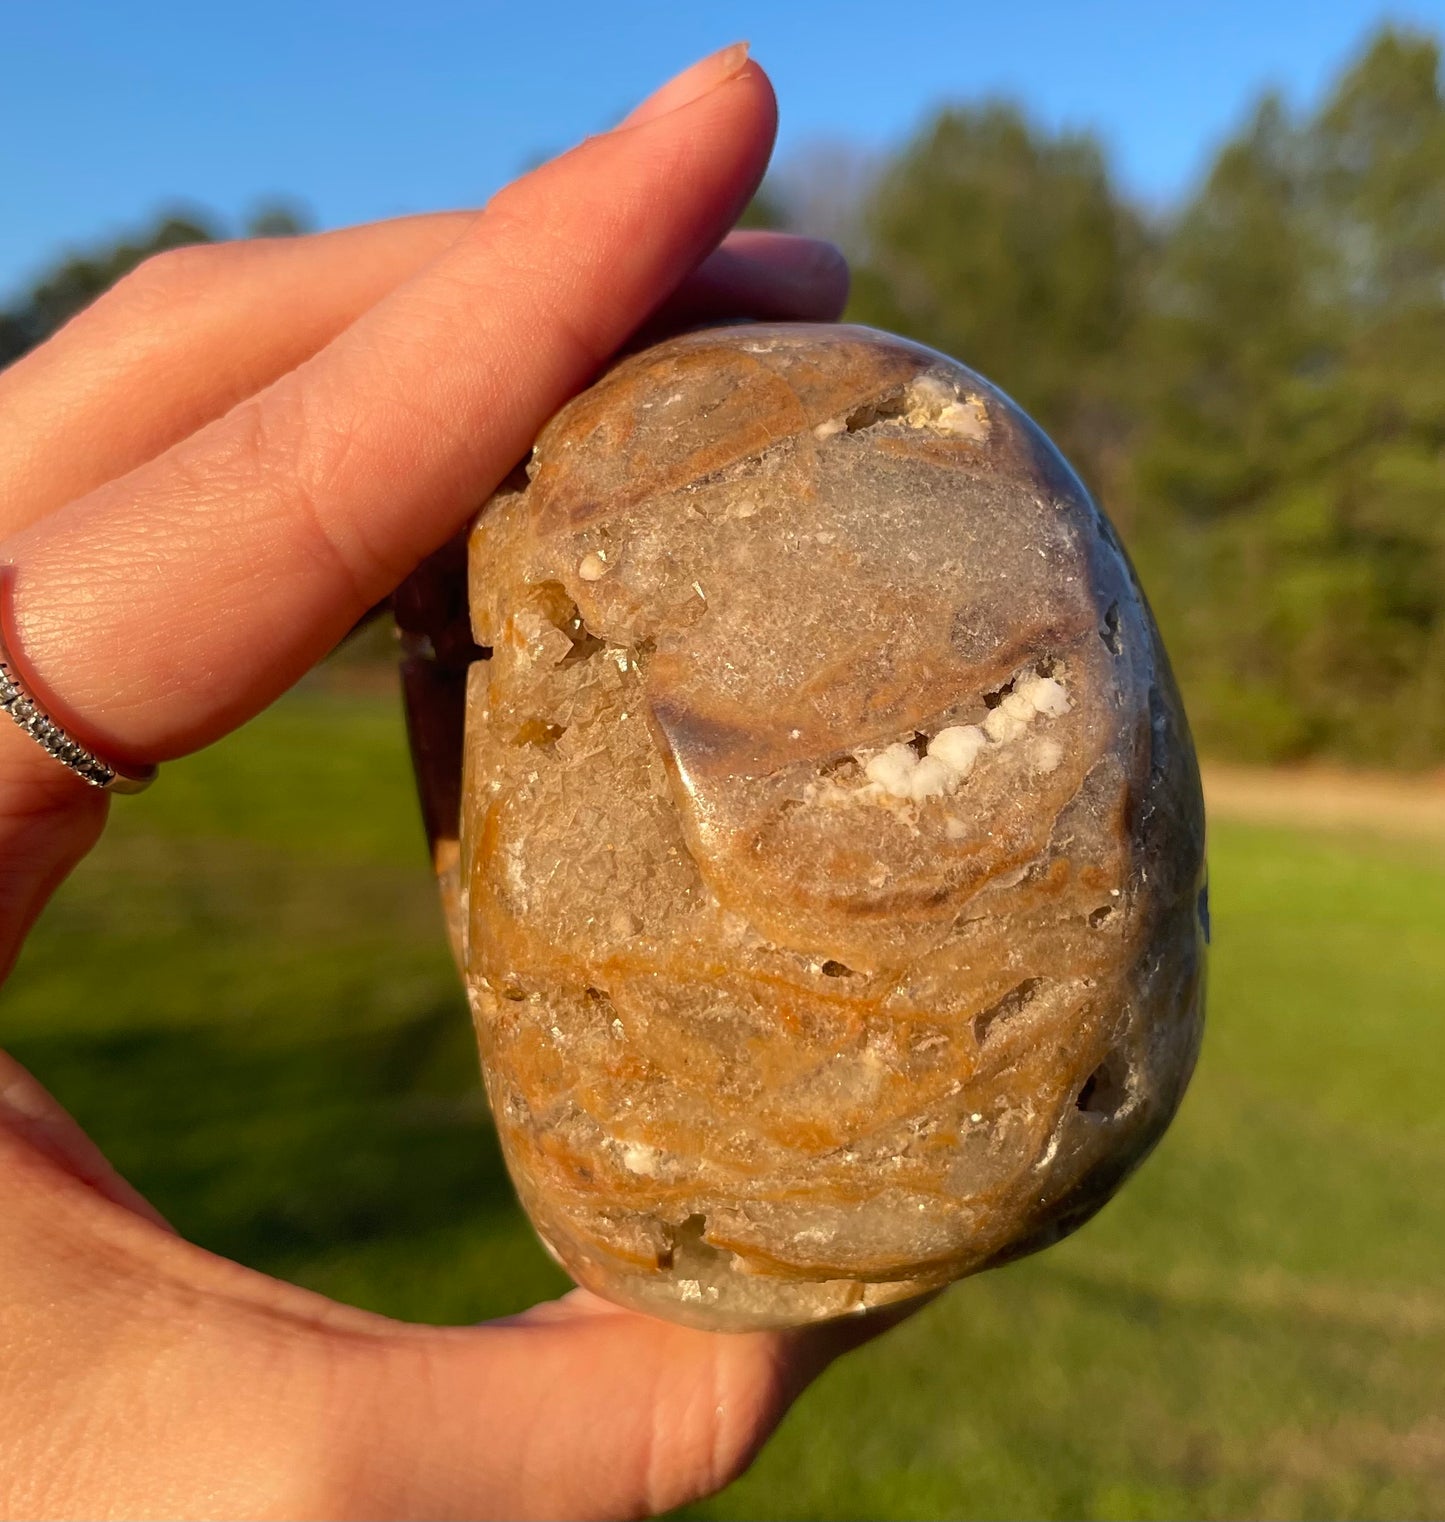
pixel 204 481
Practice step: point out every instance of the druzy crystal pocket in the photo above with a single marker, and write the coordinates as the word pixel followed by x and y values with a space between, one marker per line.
pixel 829 887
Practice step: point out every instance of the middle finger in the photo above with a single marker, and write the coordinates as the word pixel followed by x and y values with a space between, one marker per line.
pixel 190 334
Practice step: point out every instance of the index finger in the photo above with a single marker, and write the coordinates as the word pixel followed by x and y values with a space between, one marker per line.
pixel 166 607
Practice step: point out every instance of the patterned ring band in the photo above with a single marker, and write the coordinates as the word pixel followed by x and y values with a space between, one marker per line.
pixel 52 739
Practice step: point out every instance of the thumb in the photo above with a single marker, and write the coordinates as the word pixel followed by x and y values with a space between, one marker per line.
pixel 141 1375
pixel 581 1409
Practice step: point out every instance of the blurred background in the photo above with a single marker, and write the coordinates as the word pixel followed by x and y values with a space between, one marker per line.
pixel 1205 246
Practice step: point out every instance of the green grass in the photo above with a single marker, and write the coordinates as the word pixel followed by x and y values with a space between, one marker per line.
pixel 246 998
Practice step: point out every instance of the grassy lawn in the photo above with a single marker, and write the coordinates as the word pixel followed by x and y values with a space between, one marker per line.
pixel 246 998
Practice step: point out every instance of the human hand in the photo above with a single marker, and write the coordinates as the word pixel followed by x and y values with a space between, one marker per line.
pixel 204 481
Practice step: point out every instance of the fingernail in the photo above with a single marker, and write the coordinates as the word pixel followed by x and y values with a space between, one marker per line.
pixel 692 84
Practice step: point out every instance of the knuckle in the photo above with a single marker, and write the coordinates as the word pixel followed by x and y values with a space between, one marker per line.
pixel 507 210
pixel 704 1441
pixel 295 452
pixel 172 275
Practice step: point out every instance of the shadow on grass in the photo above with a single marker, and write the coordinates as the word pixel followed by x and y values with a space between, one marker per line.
pixel 271 1153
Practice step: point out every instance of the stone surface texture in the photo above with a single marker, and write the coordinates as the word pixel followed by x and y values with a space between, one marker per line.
pixel 830 882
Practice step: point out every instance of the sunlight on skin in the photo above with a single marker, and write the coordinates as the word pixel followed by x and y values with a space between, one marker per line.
pixel 207 478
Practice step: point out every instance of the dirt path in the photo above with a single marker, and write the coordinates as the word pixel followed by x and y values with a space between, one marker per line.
pixel 1409 808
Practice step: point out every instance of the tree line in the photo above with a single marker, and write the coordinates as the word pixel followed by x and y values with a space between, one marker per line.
pixel 1253 384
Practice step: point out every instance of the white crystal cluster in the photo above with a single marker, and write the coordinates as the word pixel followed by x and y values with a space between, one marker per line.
pixel 900 772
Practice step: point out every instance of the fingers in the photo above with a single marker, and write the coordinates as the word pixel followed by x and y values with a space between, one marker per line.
pixel 178 342
pixel 196 330
pixel 773 277
pixel 168 606
pixel 695 80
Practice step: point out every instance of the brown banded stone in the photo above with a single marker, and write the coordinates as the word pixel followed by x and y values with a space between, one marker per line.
pixel 829 888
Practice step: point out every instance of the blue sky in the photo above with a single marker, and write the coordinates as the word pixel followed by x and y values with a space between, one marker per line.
pixel 110 111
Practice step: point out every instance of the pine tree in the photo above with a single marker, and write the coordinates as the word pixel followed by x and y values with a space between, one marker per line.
pixel 1009 249
pixel 1288 474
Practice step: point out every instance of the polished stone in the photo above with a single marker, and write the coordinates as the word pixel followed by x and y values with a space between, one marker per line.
pixel 829 886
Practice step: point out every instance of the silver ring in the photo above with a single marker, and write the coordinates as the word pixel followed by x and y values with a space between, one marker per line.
pixel 53 740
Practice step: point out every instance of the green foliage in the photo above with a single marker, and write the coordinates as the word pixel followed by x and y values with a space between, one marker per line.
pixel 266 1033
pixel 1288 461
pixel 1253 386
pixel 1011 251
pixel 277 219
pixel 763 211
